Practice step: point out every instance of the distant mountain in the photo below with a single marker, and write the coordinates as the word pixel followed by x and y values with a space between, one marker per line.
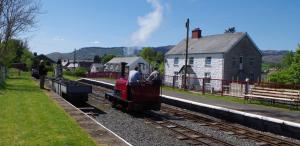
pixel 88 53
pixel 273 56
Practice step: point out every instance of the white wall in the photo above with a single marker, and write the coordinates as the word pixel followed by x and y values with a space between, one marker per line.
pixel 216 68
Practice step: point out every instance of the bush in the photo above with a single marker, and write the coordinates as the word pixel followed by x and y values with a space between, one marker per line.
pixel 79 72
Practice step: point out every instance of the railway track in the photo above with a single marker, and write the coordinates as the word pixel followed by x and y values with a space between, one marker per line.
pixel 197 138
pixel 262 139
pixel 183 133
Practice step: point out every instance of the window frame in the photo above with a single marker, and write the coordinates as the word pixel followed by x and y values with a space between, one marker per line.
pixel 176 61
pixel 206 61
pixel 191 59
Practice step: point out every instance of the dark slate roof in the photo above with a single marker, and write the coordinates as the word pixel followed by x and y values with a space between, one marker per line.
pixel 209 44
pixel 128 60
pixel 45 58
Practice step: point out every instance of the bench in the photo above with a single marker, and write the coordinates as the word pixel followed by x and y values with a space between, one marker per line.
pixel 286 96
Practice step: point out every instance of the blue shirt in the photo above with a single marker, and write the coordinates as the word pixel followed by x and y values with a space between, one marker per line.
pixel 133 77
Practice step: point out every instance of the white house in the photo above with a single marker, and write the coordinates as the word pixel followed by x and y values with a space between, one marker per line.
pixel 97 67
pixel 72 65
pixel 114 65
pixel 228 56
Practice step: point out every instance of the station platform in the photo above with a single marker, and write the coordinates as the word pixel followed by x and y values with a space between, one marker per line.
pixel 266 118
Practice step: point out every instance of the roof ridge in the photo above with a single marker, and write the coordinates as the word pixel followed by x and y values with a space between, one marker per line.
pixel 221 34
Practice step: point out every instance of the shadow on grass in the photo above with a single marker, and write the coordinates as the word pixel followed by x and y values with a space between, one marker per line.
pixel 26 88
pixel 2 85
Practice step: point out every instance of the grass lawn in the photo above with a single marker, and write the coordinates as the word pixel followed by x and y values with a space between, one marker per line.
pixel 29 117
pixel 69 77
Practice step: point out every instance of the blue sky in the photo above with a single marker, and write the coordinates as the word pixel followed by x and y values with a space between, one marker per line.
pixel 68 24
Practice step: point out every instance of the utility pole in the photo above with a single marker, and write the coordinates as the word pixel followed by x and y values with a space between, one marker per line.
pixel 187 25
pixel 74 59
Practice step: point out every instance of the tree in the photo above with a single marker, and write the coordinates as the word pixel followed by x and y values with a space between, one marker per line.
pixel 290 74
pixel 148 54
pixel 97 59
pixel 154 58
pixel 16 16
pixel 287 60
pixel 106 58
pixel 230 30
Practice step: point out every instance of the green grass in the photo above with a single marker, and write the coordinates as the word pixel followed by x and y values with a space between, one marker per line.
pixel 69 77
pixel 29 117
pixel 235 99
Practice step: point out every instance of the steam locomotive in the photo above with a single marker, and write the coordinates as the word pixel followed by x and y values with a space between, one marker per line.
pixel 143 96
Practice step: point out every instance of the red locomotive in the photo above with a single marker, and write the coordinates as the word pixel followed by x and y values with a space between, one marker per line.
pixel 143 96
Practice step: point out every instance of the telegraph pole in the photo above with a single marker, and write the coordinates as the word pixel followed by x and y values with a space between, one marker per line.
pixel 187 25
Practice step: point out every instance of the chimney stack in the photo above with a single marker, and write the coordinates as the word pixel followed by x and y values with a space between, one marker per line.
pixel 196 33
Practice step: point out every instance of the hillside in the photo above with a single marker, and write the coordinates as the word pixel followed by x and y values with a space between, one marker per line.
pixel 273 56
pixel 88 53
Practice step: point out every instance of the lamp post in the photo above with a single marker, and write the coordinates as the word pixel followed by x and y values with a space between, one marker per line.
pixel 187 25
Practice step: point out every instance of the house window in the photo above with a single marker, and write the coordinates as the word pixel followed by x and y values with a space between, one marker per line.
pixel 208 61
pixel 207 75
pixel 241 62
pixel 191 60
pixel 176 60
pixel 241 59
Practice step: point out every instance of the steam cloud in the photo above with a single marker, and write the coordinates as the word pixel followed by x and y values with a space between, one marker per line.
pixel 148 23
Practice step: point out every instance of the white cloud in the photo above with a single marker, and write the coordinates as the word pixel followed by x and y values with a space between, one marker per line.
pixel 58 38
pixel 95 42
pixel 148 23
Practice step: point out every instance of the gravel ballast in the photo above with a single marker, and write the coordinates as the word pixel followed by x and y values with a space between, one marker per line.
pixel 135 130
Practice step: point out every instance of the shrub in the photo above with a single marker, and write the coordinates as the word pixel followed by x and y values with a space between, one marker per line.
pixel 80 72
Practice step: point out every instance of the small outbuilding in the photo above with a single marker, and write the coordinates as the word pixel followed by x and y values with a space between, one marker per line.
pixel 114 65
pixel 97 67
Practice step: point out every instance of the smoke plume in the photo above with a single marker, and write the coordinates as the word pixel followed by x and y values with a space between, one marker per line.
pixel 148 23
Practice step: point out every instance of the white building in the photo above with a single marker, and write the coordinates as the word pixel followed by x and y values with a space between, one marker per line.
pixel 114 65
pixel 97 67
pixel 228 56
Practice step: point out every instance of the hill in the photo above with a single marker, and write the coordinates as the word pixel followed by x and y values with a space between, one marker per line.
pixel 88 53
pixel 273 56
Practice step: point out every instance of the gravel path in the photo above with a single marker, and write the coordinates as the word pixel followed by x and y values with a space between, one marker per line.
pixel 135 131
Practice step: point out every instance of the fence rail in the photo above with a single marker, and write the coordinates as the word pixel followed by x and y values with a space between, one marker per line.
pixel 235 88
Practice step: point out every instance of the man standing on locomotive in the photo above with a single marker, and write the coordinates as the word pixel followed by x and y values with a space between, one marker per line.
pixel 154 77
pixel 134 76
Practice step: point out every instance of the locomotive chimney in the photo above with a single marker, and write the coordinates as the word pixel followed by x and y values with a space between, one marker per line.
pixel 123 65
pixel 196 33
